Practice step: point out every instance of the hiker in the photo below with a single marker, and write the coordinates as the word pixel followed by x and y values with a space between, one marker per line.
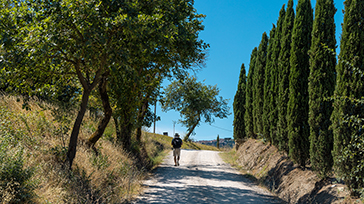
pixel 176 143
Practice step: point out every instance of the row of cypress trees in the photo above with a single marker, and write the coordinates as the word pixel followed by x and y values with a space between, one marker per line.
pixel 299 99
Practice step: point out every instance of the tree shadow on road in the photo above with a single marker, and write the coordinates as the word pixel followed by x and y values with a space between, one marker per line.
pixel 197 194
pixel 182 192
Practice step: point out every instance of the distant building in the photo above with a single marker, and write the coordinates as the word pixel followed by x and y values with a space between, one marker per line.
pixel 226 142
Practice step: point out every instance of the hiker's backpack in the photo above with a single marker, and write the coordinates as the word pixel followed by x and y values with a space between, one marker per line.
pixel 177 143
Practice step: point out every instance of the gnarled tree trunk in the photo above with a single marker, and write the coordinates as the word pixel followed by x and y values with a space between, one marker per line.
pixel 107 112
pixel 123 132
pixel 87 88
pixel 76 128
pixel 190 130
pixel 141 116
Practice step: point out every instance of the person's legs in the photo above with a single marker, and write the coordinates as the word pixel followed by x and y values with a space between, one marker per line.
pixel 178 153
pixel 174 156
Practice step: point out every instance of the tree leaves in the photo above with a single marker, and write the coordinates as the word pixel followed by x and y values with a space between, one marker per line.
pixel 195 101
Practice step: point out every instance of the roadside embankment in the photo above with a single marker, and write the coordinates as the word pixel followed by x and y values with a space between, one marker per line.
pixel 291 183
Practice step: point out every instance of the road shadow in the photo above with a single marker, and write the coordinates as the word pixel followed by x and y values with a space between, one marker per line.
pixel 197 194
pixel 182 192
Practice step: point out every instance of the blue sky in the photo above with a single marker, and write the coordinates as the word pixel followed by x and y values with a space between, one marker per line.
pixel 232 28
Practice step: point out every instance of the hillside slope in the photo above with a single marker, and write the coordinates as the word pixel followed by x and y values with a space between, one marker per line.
pixel 33 146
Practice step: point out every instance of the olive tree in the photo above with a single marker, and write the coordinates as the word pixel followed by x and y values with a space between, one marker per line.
pixel 196 103
pixel 95 40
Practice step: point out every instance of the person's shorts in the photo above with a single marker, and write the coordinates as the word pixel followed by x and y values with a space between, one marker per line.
pixel 176 152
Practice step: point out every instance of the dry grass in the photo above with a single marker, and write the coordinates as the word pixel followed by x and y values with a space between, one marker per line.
pixel 109 177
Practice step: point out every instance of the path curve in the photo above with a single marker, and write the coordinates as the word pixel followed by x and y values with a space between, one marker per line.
pixel 202 177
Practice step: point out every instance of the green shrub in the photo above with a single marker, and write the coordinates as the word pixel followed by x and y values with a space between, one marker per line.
pixel 15 182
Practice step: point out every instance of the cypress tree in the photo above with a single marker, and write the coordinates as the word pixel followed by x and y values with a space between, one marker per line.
pixel 258 82
pixel 249 120
pixel 297 109
pixel 239 106
pixel 321 86
pixel 268 96
pixel 218 142
pixel 273 64
pixel 283 69
pixel 348 140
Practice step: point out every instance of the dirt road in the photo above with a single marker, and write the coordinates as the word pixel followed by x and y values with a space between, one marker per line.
pixel 202 177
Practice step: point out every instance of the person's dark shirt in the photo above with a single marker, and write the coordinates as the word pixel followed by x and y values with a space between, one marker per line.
pixel 177 142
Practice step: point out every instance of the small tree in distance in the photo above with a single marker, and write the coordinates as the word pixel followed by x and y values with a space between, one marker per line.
pixel 195 101
pixel 218 142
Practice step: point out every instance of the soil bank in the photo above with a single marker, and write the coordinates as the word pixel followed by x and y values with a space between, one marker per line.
pixel 288 181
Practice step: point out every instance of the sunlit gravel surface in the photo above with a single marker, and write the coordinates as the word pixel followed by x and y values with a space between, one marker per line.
pixel 202 177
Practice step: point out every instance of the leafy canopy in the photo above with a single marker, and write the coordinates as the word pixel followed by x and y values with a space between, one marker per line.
pixel 195 101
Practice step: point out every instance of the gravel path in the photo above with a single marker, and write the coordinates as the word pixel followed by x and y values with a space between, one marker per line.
pixel 202 177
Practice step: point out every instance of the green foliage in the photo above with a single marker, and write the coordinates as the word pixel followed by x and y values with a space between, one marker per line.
pixel 239 106
pixel 248 118
pixel 195 101
pixel 321 86
pixel 16 185
pixel 173 47
pixel 268 95
pixel 272 65
pixel 347 151
pixel 353 154
pixel 109 133
pixel 15 180
pixel 100 161
pixel 258 88
pixel 218 141
pixel 297 110
pixel 68 44
pixel 283 80
pixel 59 152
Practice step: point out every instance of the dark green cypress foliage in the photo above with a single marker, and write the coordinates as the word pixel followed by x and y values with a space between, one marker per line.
pixel 249 120
pixel 258 78
pixel 321 86
pixel 347 153
pixel 218 142
pixel 297 109
pixel 283 69
pixel 273 64
pixel 239 106
pixel 268 97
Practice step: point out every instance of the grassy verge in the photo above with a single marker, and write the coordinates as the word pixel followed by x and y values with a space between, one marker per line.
pixel 229 156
